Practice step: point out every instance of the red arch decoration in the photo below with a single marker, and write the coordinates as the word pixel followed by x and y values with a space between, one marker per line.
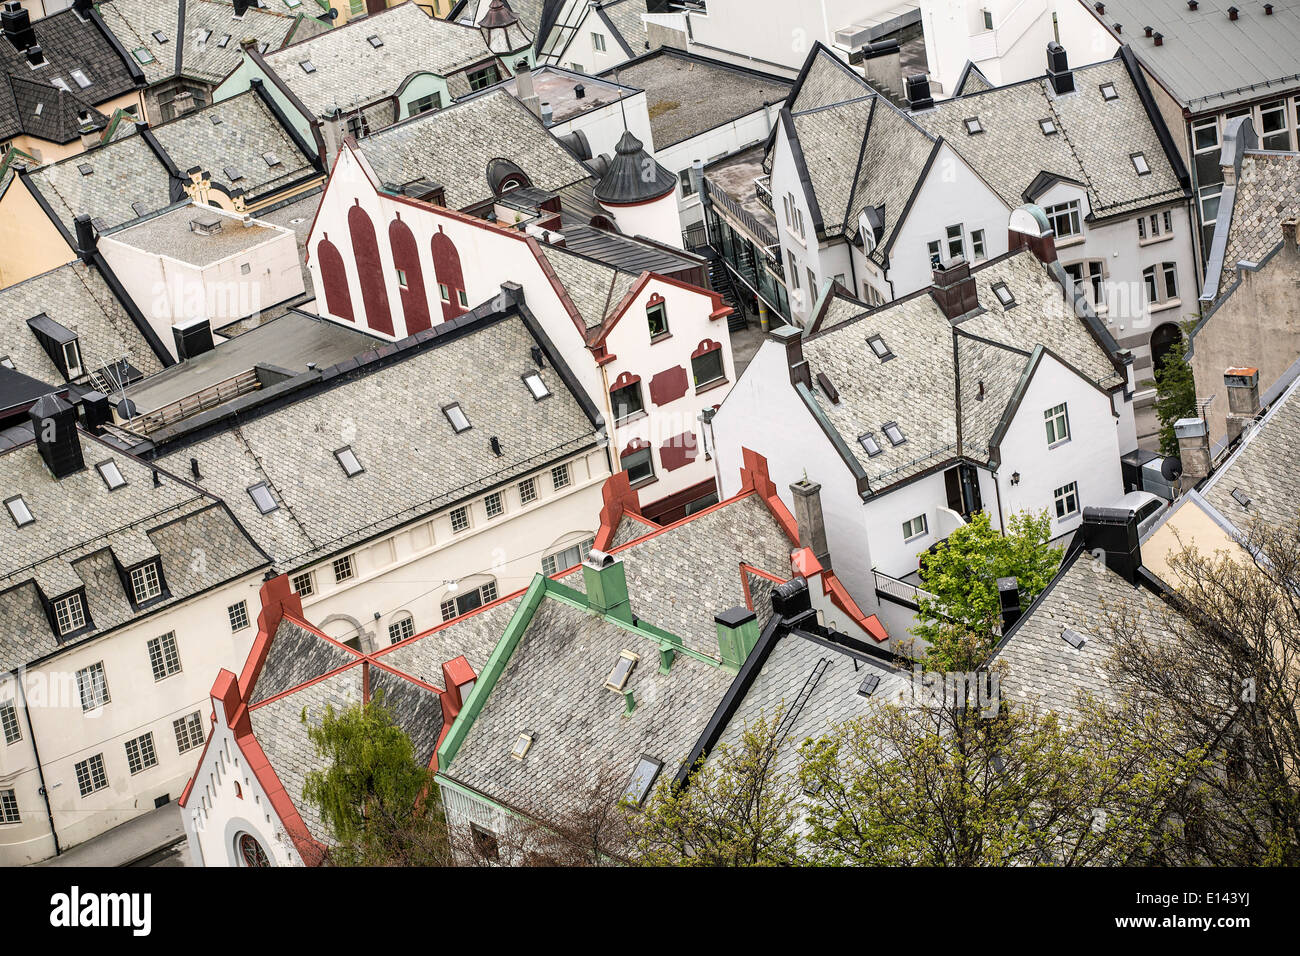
pixel 334 277
pixel 446 266
pixel 406 257
pixel 370 269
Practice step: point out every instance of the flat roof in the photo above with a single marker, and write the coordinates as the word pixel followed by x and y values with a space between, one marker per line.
pixel 169 234
pixel 735 175
pixel 687 94
pixel 557 87
pixel 289 342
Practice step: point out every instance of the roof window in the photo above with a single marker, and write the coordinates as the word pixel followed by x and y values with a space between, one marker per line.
pixel 536 386
pixel 307 66
pixel 348 460
pixel 869 685
pixel 1004 295
pixel 1048 126
pixel 19 511
pixel 973 125
pixel 880 348
pixel 621 671
pixel 893 433
pixel 1073 638
pixel 643 778
pixel 869 444
pixel 522 743
pixel 111 474
pixel 375 42
pixel 262 497
pixel 1140 163
pixel 160 36
pixel 1108 92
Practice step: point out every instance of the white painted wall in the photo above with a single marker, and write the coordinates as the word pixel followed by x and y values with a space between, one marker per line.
pixel 657 219
pixel 739 134
pixel 604 125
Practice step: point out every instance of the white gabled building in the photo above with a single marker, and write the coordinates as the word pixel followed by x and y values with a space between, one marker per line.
pixel 985 392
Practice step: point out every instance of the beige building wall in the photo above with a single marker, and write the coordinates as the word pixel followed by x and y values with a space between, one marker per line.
pixel 30 243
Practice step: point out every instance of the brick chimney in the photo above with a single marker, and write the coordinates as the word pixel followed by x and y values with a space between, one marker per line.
pixel 1243 399
pixel 954 289
pixel 1193 448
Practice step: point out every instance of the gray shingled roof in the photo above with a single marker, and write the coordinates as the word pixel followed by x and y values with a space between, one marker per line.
pixel 1207 61
pixel 594 287
pixel 390 415
pixel 1268 192
pixel 349 69
pixel 1093 146
pixel 38 108
pixel 75 296
pixel 453 146
pixel 122 172
pixel 80 525
pixel 553 688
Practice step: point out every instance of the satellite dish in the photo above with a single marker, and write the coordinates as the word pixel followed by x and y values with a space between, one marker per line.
pixel 1171 469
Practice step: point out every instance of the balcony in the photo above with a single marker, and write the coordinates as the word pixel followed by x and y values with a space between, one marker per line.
pixel 763 191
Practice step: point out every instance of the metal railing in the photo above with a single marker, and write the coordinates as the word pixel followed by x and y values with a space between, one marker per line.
pixel 200 401
pixel 896 588
pixel 740 215
pixel 763 190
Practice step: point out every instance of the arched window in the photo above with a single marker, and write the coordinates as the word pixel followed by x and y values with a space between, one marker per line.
pixel 410 276
pixel 401 628
pixel 451 280
pixel 334 277
pixel 637 460
pixel 370 269
pixel 1163 339
pixel 251 852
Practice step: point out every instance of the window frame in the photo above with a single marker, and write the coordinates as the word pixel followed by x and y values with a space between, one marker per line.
pixel 95 680
pixel 911 523
pixel 91 775
pixel 649 462
pixel 236 611
pixel 154 586
pixel 164 656
pixel 1055 419
pixel 1070 212
pixel 1066 493
pixel 343 563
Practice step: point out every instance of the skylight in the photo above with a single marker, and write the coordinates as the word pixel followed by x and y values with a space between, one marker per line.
pixel 160 36
pixel 880 348
pixel 1073 638
pixel 223 41
pixel 1240 497
pixel 643 778
pixel 143 55
pixel 1140 163
pixel 869 444
pixel 112 476
pixel 869 685
pixel 307 66
pixel 81 79
pixel 522 743
pixel 1108 92
pixel 973 125
pixel 61 83
pixel 621 671
pixel 536 386
pixel 348 459
pixel 85 169
pixel 1004 295
pixel 19 511
pixel 263 498
pixel 893 433
pixel 204 36
pixel 456 415
pixel 375 42
pixel 1048 126
pixel 214 119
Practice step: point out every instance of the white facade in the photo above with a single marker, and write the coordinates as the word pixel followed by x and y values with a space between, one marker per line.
pixel 731 137
pixel 655 219
pixel 53 723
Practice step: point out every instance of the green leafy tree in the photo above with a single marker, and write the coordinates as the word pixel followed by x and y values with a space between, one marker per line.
pixel 1175 394
pixel 377 800
pixel 737 809
pixel 959 622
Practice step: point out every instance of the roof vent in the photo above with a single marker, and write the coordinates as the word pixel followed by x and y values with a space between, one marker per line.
pixel 1159 39
pixel 496 445
pixel 579 91
pixel 1100 8
pixel 207 225
pixel 918 92
pixel 1192 4
pixel 1073 638
pixel 35 55
pixel 1147 31
pixel 1268 9
pixel 1232 13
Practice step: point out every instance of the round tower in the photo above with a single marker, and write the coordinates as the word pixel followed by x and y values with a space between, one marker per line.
pixel 505 35
pixel 639 194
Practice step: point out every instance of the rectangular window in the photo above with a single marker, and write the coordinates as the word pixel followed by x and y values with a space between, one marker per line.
pixel 1064 218
pixel 401 278
pixel 936 254
pixel 343 568
pixel 459 520
pixel 626 401
pixel 425 103
pixel 955 236
pixel 1170 272
pixel 812 283
pixel 639 465
pixel 302 584
pixel 688 186
pixel 707 368
pixel 1066 499
pixel 1209 198
pixel 794 270
pixel 1275 132
pixel 598 42
pixel 164 656
pixel 9 807
pixel 72 358
pixel 90 775
pixel 189 732
pixel 1140 163
pixel 528 491
pixel 1205 135
pixel 456 415
pixel 560 476
pixel 1161 283
pixel 70 614
pixel 401 630
pixel 1057 420
pixel 1168 218
pixel 145 583
pixel 238 614
pixel 1142 228
pixel 657 319
pixel 92 685
pixel 454 607
pixel 9 720
pixel 495 504
pixel 977 245
pixel 140 753
pixel 568 558
pixel 481 79
pixel 915 527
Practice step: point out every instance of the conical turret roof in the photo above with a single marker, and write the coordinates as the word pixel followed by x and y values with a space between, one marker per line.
pixel 633 175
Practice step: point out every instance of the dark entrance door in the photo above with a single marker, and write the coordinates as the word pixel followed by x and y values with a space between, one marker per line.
pixel 963 487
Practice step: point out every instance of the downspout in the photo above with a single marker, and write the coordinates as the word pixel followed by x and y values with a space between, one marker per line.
pixel 40 772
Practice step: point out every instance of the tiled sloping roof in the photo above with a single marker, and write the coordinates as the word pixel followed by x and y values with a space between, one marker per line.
pixel 387 416
pixel 349 69
pixel 37 108
pixel 840 308
pixel 973 81
pixel 625 15
pixel 553 687
pixel 893 162
pixel 123 172
pixel 1044 671
pixel 453 146
pixel 203 56
pixel 999 371
pixel 1268 192
pixel 918 387
pixel 1265 469
pixel 76 296
pixel 831 139
pixel 70 43
pixel 827 80
pixel 591 285
pixel 296 655
pixel 1093 145
pixel 681 577
pixel 246 132
pixel 76 521
pixel 473 635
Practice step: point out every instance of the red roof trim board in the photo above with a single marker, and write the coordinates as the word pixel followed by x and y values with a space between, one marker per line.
pixel 757 572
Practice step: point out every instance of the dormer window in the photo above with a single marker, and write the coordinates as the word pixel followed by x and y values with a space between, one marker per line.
pixel 973 125
pixel 1140 163
pixel 111 474
pixel 72 358
pixel 536 386
pixel 262 497
pixel 70 614
pixel 456 415
pixel 348 460
pixel 146 582
pixel 893 433
pixel 19 511
pixel 1004 295
pixel 1108 92
pixel 1048 126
